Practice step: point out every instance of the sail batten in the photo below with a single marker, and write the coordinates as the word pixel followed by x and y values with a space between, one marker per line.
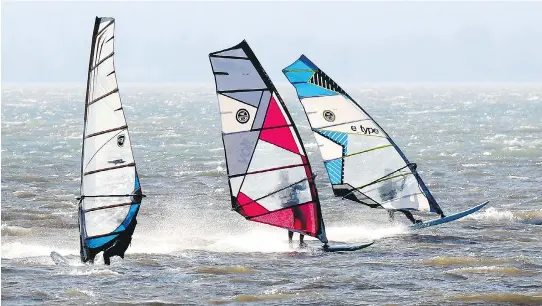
pixel 269 175
pixel 110 194
pixel 362 161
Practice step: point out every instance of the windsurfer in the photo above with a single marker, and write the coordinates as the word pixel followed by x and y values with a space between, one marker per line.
pixel 121 243
pixel 290 198
pixel 388 192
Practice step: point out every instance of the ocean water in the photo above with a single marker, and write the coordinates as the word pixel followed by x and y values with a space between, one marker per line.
pixel 471 143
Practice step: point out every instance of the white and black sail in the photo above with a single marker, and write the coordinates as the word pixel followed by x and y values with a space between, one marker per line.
pixel 362 161
pixel 110 190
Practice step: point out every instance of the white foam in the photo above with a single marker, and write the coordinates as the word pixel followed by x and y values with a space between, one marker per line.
pixel 364 232
pixel 492 214
pixel 20 250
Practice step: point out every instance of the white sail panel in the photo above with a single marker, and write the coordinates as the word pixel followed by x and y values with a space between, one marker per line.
pixel 330 110
pixel 103 151
pixel 105 221
pixel 118 181
pixel 236 116
pixel 235 183
pixel 273 188
pixel 269 156
pixel 107 83
pixel 91 203
pixel 328 149
pixel 110 112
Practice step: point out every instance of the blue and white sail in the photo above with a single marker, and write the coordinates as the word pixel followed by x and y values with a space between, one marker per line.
pixel 362 161
pixel 110 190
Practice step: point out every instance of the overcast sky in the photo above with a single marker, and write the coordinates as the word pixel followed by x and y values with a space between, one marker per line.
pixel 351 41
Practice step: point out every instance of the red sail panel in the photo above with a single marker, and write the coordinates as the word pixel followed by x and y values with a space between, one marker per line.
pixel 301 218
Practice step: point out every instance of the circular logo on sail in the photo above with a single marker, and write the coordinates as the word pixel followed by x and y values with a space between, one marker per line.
pixel 242 116
pixel 329 116
pixel 120 140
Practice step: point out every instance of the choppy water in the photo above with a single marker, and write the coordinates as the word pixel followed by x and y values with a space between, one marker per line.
pixel 471 143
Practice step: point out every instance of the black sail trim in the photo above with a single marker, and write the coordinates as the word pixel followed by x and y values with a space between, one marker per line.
pixel 242 90
pixel 104 28
pixel 231 57
pixel 110 168
pixel 109 206
pixel 107 131
pixel 104 96
pixel 103 59
pixel 266 170
pixel 84 251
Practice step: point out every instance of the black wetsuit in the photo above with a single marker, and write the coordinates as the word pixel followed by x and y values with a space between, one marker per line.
pixel 407 214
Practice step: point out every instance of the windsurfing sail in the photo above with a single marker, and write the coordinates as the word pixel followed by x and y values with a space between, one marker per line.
pixel 363 163
pixel 110 190
pixel 269 174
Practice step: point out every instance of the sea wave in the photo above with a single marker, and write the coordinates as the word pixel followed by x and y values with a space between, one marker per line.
pixel 8 230
pixel 224 270
pixel 500 298
pixel 498 270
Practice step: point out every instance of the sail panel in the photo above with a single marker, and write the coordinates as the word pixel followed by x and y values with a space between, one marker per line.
pixel 269 156
pixel 103 151
pixel 236 74
pixel 108 81
pixel 362 161
pixel 109 110
pixel 269 175
pixel 236 116
pixel 282 188
pixel 105 221
pixel 110 188
pixel 324 111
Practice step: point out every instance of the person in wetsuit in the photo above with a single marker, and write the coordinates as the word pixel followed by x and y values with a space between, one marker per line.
pixel 290 197
pixel 388 191
pixel 122 242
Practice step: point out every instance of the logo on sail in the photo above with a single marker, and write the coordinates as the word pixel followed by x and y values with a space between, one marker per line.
pixel 364 130
pixel 120 140
pixel 116 161
pixel 329 116
pixel 242 116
